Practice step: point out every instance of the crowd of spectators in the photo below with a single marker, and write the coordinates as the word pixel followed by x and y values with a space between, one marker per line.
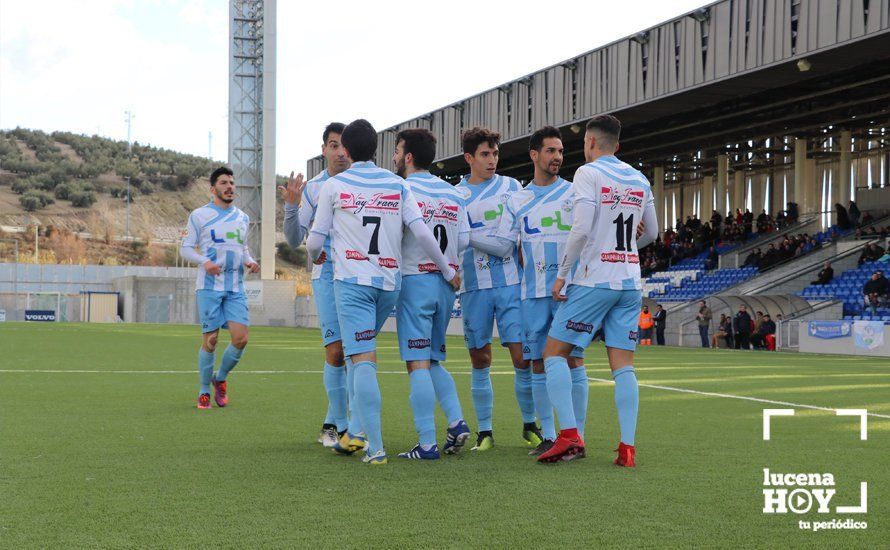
pixel 876 291
pixel 792 246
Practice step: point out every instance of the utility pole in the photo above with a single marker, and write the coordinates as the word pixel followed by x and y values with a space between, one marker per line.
pixel 129 121
pixel 15 278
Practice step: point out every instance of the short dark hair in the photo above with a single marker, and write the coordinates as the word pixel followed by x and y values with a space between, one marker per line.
pixel 471 139
pixel 221 171
pixel 332 128
pixel 421 143
pixel 360 139
pixel 607 125
pixel 536 142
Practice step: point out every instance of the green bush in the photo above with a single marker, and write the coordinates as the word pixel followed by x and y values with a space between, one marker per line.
pixel 33 200
pixel 82 198
pixel 22 186
pixel 63 191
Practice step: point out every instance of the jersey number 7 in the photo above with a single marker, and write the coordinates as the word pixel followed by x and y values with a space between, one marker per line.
pixel 372 246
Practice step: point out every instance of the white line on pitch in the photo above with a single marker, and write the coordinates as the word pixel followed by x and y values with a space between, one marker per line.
pixel 602 380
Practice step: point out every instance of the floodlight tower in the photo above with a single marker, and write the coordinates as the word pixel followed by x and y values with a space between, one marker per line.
pixel 252 120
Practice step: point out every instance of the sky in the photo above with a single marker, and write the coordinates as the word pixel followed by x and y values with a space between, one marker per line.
pixel 78 66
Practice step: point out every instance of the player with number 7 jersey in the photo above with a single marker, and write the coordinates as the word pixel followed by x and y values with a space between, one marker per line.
pixel 365 209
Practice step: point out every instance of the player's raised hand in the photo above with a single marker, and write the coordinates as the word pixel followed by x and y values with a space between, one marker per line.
pixel 212 268
pixel 322 258
pixel 558 285
pixel 292 193
pixel 455 281
pixel 252 267
pixel 641 229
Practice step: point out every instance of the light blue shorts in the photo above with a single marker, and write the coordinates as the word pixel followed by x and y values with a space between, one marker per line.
pixel 218 307
pixel 362 310
pixel 480 308
pixel 588 309
pixel 326 305
pixel 422 316
pixel 537 316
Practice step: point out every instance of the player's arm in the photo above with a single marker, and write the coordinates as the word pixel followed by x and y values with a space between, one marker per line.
pixel 650 226
pixel 583 220
pixel 413 220
pixel 463 231
pixel 324 218
pixel 246 257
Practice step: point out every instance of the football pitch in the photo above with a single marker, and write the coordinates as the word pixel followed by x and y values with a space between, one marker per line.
pixel 101 445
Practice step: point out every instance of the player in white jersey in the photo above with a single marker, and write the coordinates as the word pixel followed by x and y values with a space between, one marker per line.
pixel 364 210
pixel 539 218
pixel 426 300
pixel 300 200
pixel 219 230
pixel 490 289
pixel 611 199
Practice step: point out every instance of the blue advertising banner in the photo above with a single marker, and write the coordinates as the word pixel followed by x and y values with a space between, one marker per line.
pixel 830 329
pixel 44 315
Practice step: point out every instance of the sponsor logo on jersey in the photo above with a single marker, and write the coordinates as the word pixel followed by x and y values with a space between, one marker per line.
pixel 328 333
pixel 355 255
pixel 428 268
pixel 619 257
pixel 390 263
pixel 358 202
pixel 418 343
pixel 438 211
pixel 485 265
pixel 632 335
pixel 365 335
pixel 622 197
pixel 543 267
pixel 578 326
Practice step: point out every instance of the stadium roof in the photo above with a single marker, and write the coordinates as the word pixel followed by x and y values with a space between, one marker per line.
pixel 705 82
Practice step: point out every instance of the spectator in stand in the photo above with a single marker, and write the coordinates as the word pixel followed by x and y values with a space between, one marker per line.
pixel 660 318
pixel 872 291
pixel 763 222
pixel 645 325
pixel 716 220
pixel 855 214
pixel 753 258
pixel 791 213
pixel 748 217
pixel 825 276
pixel 770 258
pixel 713 259
pixel 780 219
pixel 843 219
pixel 741 328
pixel 766 330
pixel 871 253
pixel 704 322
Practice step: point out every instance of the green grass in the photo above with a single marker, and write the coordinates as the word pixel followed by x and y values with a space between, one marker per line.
pixel 123 459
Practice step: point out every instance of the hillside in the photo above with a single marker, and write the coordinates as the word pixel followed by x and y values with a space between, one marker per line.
pixel 77 184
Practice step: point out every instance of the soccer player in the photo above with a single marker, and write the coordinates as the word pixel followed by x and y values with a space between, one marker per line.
pixel 219 230
pixel 611 198
pixel 300 200
pixel 539 217
pixel 364 210
pixel 490 288
pixel 426 299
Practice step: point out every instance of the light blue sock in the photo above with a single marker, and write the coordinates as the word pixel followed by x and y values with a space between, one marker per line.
pixel 627 401
pixel 230 358
pixel 559 388
pixel 446 392
pixel 367 402
pixel 543 406
pixel 580 391
pixel 483 397
pixel 522 385
pixel 423 404
pixel 355 423
pixel 335 386
pixel 206 360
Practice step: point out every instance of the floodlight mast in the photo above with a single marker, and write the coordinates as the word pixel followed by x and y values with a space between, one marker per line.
pixel 252 72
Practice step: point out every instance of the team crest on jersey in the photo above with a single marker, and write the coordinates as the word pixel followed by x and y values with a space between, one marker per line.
pixel 568 205
pixel 633 335
pixel 378 202
pixel 615 198
pixel 439 210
